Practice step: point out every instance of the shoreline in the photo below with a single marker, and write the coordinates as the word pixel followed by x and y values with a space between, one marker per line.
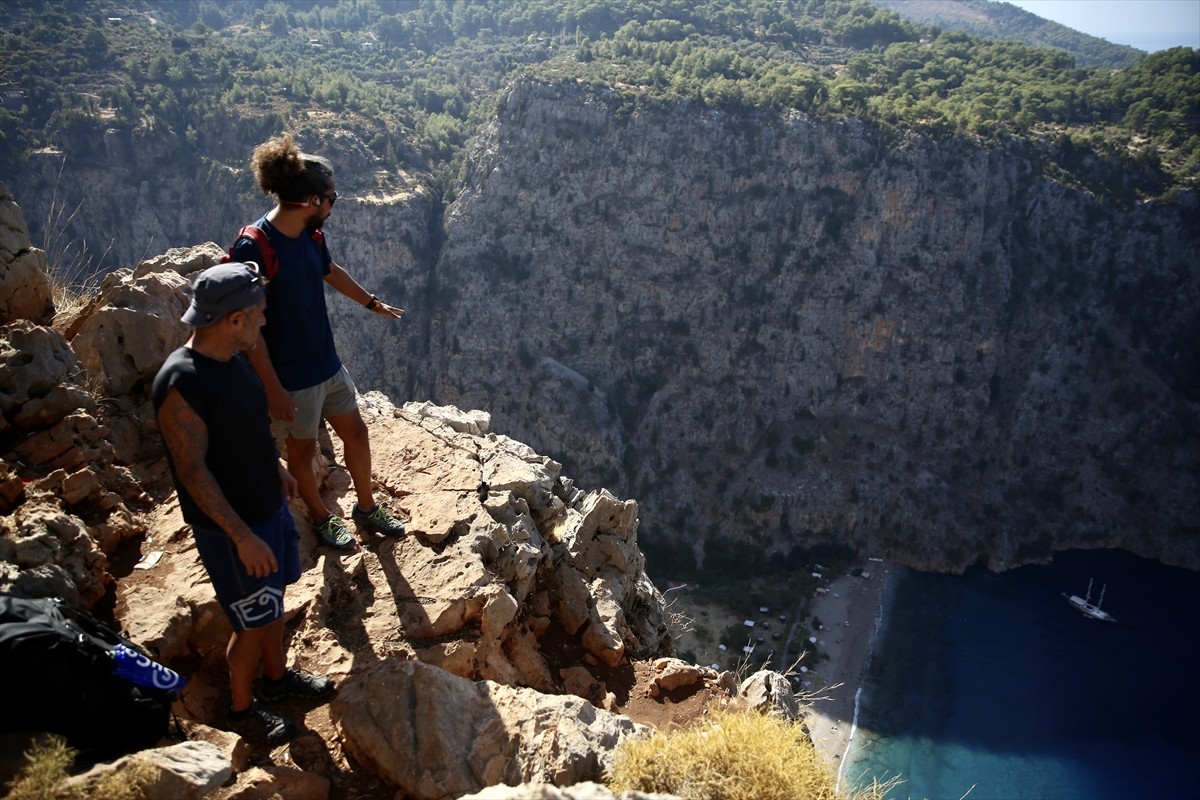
pixel 851 615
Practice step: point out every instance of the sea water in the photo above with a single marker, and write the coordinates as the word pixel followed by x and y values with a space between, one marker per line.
pixel 991 686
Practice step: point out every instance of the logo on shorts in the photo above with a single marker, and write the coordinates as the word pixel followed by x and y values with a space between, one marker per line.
pixel 255 610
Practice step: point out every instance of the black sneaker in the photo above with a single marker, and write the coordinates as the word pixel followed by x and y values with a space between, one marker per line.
pixel 378 519
pixel 261 726
pixel 295 683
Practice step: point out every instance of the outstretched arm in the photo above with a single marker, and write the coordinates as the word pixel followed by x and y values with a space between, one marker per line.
pixel 187 438
pixel 344 282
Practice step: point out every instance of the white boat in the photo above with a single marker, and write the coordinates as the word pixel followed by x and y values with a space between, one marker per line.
pixel 1089 609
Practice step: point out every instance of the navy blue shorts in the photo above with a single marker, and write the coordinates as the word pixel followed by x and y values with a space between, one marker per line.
pixel 251 602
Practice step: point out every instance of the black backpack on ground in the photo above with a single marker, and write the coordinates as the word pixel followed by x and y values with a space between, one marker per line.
pixel 56 665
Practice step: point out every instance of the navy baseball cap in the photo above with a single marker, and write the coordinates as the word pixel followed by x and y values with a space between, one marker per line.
pixel 224 288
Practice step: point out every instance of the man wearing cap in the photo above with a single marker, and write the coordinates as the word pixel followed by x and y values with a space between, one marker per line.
pixel 233 491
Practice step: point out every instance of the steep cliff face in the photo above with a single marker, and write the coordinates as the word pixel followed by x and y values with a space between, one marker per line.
pixel 768 329
pixel 794 333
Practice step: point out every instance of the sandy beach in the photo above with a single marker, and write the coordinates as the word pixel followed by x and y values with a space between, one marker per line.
pixel 848 613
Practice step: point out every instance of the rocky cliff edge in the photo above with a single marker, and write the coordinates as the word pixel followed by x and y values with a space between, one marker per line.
pixel 498 643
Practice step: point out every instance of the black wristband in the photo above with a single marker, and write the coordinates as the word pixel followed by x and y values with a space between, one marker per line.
pixel 371 305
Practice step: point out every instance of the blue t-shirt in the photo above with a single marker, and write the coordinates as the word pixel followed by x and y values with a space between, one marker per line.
pixel 298 335
pixel 241 454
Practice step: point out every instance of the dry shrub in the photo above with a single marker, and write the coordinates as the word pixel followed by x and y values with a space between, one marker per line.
pixel 45 777
pixel 727 756
pixel 46 767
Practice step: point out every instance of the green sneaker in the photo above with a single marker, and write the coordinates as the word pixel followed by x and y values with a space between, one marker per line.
pixel 378 519
pixel 334 532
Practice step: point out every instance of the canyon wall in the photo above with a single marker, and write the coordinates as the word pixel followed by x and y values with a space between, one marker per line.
pixel 795 333
pixel 771 330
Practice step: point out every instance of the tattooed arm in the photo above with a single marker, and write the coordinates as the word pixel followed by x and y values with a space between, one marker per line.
pixel 187 439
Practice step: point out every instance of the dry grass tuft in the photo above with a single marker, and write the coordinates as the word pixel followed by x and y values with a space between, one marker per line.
pixel 47 770
pixel 728 756
pixel 47 765
pixel 73 279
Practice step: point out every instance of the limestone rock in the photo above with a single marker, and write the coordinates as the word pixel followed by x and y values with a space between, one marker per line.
pixel 25 291
pixel 184 771
pixel 37 368
pixel 51 554
pixel 12 488
pixel 769 692
pixel 475 423
pixel 580 791
pixel 581 683
pixel 434 735
pixel 237 751
pixel 132 328
pixel 266 783
pixel 182 260
pixel 672 673
pixel 68 444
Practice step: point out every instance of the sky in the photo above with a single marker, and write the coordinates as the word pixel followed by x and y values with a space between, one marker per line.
pixel 1148 25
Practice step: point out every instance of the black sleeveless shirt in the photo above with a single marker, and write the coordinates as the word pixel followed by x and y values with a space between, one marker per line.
pixel 241 454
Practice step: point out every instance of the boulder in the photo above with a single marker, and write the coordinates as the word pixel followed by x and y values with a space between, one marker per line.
pixel 580 791
pixel 184 771
pixel 672 673
pixel 12 488
pixel 434 735
pixel 37 374
pixel 771 693
pixel 131 328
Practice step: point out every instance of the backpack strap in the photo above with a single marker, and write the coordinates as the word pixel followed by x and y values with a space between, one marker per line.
pixel 258 236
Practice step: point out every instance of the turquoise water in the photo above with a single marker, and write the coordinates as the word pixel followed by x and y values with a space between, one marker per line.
pixel 993 687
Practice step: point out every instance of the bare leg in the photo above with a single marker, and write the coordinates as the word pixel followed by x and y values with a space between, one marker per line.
pixel 246 650
pixel 356 443
pixel 300 454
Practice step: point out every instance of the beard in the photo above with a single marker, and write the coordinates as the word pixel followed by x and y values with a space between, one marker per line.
pixel 317 218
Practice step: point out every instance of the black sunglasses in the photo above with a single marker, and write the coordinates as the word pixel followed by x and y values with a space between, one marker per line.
pixel 332 198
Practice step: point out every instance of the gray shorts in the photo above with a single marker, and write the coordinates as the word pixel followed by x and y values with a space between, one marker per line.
pixel 332 398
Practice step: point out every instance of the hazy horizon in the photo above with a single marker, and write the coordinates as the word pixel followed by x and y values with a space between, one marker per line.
pixel 1149 25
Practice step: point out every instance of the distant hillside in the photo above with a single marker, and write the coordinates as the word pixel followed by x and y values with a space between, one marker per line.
pixel 991 19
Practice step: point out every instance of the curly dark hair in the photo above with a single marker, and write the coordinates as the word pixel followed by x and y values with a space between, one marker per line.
pixel 292 176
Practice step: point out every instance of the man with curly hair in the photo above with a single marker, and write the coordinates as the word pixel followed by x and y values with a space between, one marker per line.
pixel 296 358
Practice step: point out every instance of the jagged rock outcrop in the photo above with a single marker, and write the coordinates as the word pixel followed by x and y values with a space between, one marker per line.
pixel 464 622
pixel 132 329
pixel 404 719
pixel 769 692
pixel 25 291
